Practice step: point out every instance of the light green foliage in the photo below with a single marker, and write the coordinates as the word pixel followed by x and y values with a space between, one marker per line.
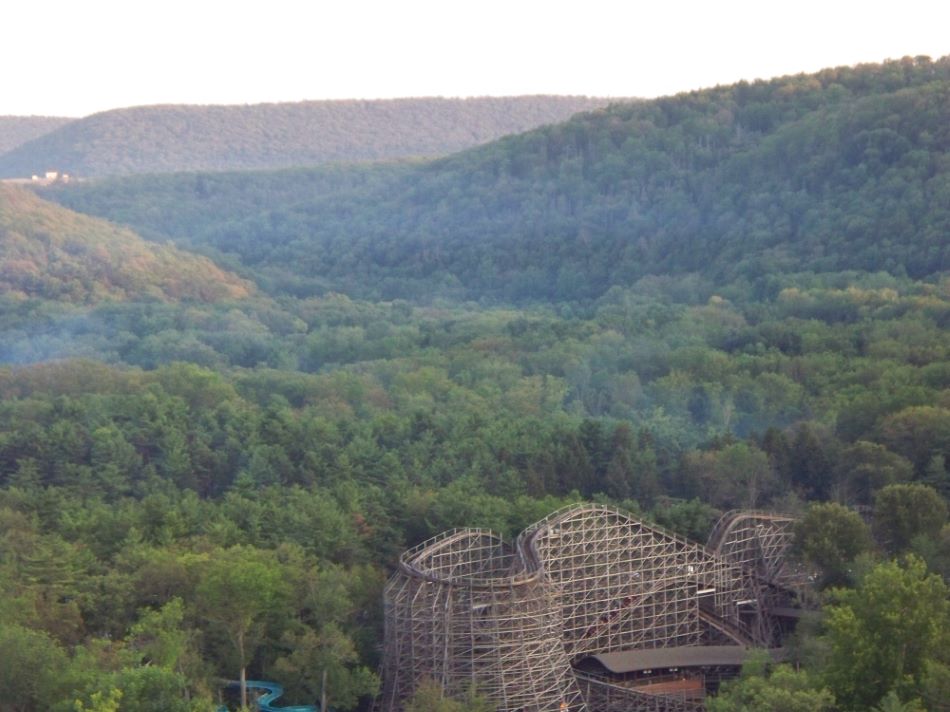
pixel 154 689
pixel 240 588
pixel 428 698
pixel 159 637
pixel 883 634
pixel 99 702
pixel 325 655
pixel 783 690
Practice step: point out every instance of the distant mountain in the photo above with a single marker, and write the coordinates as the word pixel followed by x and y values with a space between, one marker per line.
pixel 49 252
pixel 17 130
pixel 163 139
pixel 846 169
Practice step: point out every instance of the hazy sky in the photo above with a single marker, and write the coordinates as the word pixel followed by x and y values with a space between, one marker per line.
pixel 76 57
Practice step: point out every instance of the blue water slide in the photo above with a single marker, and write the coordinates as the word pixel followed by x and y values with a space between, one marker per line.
pixel 271 691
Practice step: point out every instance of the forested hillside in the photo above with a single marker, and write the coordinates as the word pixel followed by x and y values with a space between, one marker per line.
pixel 49 252
pixel 161 139
pixel 845 169
pixel 17 130
pixel 320 436
pixel 734 298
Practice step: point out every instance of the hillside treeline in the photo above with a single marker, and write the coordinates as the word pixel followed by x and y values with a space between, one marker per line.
pixel 844 169
pixel 147 515
pixel 17 130
pixel 726 299
pixel 51 253
pixel 162 139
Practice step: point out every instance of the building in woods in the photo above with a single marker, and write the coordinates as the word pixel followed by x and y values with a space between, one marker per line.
pixel 590 610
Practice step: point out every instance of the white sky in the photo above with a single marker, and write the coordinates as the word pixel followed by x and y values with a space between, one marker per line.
pixel 76 57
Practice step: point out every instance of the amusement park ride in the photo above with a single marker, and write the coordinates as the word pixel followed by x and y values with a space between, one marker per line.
pixel 590 610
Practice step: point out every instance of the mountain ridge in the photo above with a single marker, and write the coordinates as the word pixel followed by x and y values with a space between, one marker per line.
pixel 17 130
pixel 177 137
pixel 843 169
pixel 50 252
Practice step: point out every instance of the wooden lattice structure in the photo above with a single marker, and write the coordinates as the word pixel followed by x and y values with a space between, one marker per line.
pixel 468 611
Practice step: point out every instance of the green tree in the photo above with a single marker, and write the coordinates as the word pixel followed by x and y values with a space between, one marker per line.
pixel 905 511
pixel 811 462
pixel 428 697
pixel 866 467
pixel 937 685
pixel 159 637
pixel 34 670
pixel 163 641
pixel 918 433
pixel 882 634
pixel 240 587
pixel 325 665
pixel 830 536
pixel 739 475
pixel 785 690
pixel 102 702
pixel 893 703
pixel 155 689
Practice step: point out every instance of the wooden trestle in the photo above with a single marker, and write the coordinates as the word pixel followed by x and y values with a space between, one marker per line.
pixel 471 612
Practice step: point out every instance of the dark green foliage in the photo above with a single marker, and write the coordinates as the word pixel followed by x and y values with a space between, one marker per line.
pixel 841 170
pixel 830 537
pixel 903 512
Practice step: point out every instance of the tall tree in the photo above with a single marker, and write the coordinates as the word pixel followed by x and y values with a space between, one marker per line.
pixel 326 665
pixel 785 690
pixel 830 536
pixel 902 512
pixel 882 634
pixel 239 589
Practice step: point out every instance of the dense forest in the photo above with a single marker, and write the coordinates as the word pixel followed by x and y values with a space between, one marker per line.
pixel 161 139
pixel 192 487
pixel 845 169
pixel 17 130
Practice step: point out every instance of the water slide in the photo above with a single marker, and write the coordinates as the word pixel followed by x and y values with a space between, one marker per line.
pixel 271 692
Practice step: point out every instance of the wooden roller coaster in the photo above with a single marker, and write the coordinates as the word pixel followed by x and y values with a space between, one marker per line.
pixel 591 610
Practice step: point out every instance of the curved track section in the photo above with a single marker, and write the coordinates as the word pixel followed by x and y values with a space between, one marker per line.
pixel 462 611
pixel 757 541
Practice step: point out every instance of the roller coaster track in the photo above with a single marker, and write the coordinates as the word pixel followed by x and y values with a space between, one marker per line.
pixel 755 540
pixel 467 609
